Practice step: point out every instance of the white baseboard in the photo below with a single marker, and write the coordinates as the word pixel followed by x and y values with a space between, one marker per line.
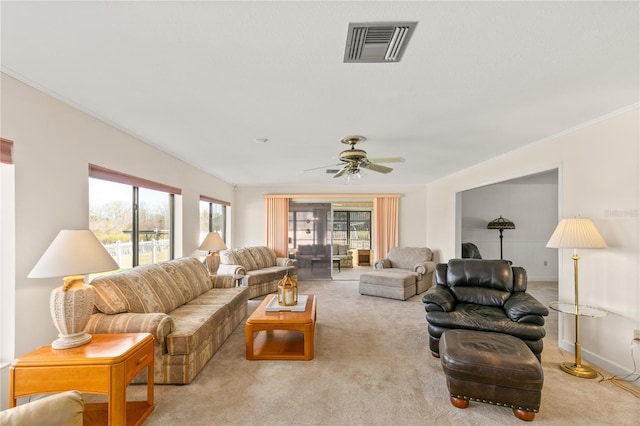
pixel 599 361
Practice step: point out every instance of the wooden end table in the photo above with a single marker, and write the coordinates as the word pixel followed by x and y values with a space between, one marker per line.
pixel 106 366
pixel 282 335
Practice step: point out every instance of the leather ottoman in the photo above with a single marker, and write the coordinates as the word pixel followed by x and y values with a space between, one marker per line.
pixel 493 368
pixel 388 283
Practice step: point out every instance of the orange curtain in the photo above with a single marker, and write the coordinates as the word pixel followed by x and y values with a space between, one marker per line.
pixel 277 215
pixel 6 150
pixel 385 231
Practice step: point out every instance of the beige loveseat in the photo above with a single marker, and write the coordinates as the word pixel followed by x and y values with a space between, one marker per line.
pixel 180 304
pixel 344 254
pixel 307 253
pixel 261 268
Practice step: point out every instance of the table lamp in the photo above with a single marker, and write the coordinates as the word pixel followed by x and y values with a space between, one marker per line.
pixel 72 254
pixel 212 243
pixel 501 224
pixel 575 233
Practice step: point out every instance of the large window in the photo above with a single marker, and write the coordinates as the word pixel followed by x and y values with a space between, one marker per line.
pixel 352 228
pixel 213 217
pixel 132 217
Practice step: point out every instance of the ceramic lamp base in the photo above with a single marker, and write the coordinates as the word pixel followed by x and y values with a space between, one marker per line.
pixel 71 306
pixel 213 263
pixel 71 340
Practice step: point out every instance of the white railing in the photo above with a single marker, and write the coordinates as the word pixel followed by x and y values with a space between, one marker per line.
pixel 123 252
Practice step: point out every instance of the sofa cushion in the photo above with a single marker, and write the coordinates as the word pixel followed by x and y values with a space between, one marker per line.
pixel 143 289
pixel 263 256
pixel 233 297
pixel 189 275
pixel 240 257
pixel 194 324
pixel 486 282
pixel 266 274
pixel 409 257
pixel 340 249
pixel 484 318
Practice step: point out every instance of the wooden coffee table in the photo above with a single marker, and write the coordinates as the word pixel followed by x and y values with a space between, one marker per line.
pixel 282 335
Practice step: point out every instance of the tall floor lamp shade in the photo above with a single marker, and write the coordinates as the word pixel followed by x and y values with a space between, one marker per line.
pixel 212 243
pixel 72 254
pixel 575 233
pixel 501 224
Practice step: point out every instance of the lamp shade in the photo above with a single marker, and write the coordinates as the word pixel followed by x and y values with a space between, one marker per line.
pixel 212 242
pixel 501 223
pixel 73 252
pixel 577 232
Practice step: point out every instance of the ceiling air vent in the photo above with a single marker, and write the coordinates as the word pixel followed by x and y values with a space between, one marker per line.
pixel 377 41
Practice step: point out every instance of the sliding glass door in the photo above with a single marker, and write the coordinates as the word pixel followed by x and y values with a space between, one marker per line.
pixel 310 234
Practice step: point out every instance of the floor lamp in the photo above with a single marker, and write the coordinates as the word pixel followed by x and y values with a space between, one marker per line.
pixel 575 233
pixel 501 224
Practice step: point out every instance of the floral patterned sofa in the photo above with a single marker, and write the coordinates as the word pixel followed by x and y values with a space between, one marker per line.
pixel 261 268
pixel 344 253
pixel 305 253
pixel 187 311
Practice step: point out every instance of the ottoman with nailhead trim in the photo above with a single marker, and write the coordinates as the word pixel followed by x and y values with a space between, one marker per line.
pixel 493 368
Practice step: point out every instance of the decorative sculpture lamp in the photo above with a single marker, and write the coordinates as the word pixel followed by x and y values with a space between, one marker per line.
pixel 72 254
pixel 287 291
pixel 212 243
pixel 501 224
pixel 575 233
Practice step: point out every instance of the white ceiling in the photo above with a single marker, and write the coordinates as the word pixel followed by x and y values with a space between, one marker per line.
pixel 203 80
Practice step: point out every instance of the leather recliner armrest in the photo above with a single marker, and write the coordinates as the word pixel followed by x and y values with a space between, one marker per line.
pixel 439 298
pixel 523 307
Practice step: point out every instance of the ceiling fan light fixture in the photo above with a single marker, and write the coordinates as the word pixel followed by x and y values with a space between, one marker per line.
pixel 354 175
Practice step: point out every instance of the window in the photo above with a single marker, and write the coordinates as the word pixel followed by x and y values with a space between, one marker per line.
pixel 352 228
pixel 132 217
pixel 213 217
pixel 303 228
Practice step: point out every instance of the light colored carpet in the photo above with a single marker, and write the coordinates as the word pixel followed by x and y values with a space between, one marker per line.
pixel 372 366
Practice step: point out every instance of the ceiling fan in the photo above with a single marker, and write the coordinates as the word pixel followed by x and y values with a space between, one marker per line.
pixel 355 159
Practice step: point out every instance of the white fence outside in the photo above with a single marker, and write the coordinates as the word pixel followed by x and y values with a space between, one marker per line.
pixel 157 250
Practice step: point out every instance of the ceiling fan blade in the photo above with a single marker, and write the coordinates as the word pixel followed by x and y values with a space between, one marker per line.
pixel 387 160
pixel 324 167
pixel 375 167
pixel 341 172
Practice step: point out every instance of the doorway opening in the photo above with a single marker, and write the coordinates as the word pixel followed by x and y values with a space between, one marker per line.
pixel 330 239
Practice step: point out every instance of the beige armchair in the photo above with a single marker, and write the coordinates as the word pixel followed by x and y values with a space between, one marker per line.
pixel 418 260
pixel 61 409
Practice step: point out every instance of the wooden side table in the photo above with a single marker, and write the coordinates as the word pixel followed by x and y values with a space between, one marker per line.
pixel 106 366
pixel 364 257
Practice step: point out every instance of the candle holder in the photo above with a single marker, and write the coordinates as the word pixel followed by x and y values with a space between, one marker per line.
pixel 287 291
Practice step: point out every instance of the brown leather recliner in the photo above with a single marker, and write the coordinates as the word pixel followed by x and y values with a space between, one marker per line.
pixel 484 295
